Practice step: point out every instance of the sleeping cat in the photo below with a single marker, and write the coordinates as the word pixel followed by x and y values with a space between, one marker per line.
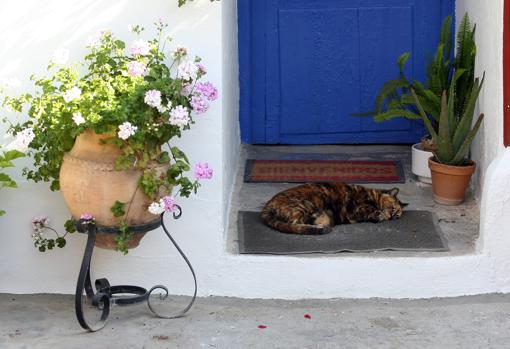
pixel 315 207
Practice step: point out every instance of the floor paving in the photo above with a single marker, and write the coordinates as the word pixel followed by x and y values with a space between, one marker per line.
pixel 460 224
pixel 48 321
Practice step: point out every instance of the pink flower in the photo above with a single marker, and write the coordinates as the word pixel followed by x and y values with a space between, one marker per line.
pixel 201 69
pixel 203 171
pixel 186 89
pixel 199 104
pixel 40 222
pixel 136 69
pixel 140 47
pixel 207 90
pixel 168 203
pixel 86 217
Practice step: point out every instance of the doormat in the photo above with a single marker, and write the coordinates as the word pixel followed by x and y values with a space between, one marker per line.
pixel 415 231
pixel 303 171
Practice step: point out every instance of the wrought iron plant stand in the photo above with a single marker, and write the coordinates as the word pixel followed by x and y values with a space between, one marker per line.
pixel 105 295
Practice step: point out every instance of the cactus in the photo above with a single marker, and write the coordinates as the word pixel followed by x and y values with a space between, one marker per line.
pixel 455 131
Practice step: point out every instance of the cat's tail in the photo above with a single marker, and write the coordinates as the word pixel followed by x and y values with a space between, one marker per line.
pixel 271 219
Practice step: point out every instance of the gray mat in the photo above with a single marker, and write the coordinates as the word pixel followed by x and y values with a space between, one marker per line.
pixel 415 231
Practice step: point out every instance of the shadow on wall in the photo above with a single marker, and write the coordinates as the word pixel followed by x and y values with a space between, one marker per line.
pixel 26 26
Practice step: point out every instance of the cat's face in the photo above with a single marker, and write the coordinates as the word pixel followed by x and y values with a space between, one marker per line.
pixel 390 205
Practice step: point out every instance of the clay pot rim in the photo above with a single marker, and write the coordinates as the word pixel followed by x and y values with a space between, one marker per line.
pixel 452 169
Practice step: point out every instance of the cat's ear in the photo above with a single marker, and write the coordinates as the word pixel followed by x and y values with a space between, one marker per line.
pixel 393 192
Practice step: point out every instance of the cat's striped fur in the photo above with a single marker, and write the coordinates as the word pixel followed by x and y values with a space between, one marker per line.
pixel 315 207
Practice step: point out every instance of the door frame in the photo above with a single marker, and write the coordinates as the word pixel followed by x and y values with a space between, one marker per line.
pixel 506 72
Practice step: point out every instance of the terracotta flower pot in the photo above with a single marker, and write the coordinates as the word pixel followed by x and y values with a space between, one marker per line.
pixel 449 183
pixel 90 184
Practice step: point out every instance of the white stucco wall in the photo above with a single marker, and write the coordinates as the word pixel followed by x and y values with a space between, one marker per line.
pixel 30 30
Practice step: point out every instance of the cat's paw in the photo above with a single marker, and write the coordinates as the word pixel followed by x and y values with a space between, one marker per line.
pixel 318 229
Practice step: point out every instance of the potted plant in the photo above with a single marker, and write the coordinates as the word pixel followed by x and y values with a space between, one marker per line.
pixel 451 169
pixel 395 98
pixel 101 131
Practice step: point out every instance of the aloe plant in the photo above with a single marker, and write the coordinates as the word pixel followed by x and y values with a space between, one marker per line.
pixel 455 131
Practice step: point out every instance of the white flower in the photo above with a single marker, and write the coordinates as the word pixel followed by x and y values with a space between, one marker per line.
pixel 179 52
pixel 161 108
pixel 179 116
pixel 78 118
pixel 188 70
pixel 22 140
pixel 140 47
pixel 126 130
pixel 60 56
pixel 157 208
pixel 72 94
pixel 153 98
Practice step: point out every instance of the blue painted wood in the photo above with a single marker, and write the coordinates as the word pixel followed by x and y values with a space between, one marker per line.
pixel 307 66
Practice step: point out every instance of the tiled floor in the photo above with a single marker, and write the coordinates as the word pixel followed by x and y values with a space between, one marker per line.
pixel 460 224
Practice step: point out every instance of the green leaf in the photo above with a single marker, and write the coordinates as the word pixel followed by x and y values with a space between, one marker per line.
pixel 444 152
pixel 118 209
pixel 2 212
pixel 61 242
pixel 461 153
pixel 396 113
pixel 424 117
pixel 467 118
pixel 401 61
pixel 164 158
pixel 12 155
pixel 70 226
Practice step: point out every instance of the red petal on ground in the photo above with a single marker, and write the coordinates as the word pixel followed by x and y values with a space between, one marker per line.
pixel 308 316
pixel 262 326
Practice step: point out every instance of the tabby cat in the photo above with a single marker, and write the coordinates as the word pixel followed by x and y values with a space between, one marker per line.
pixel 315 207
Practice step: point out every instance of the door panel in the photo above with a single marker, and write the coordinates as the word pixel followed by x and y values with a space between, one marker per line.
pixel 307 66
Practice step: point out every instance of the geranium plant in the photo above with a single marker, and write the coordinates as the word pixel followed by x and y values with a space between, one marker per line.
pixel 134 93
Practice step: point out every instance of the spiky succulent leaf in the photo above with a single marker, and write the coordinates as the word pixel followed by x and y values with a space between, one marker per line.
pixel 444 152
pixel 460 157
pixel 467 117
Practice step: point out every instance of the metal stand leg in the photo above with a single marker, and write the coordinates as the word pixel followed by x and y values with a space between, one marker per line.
pixel 105 294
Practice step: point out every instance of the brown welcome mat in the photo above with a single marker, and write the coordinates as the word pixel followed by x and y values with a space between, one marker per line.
pixel 415 231
pixel 303 171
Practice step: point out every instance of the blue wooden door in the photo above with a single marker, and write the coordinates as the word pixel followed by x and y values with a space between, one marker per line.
pixel 307 65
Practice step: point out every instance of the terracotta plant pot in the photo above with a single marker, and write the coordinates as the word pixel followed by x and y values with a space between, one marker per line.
pixel 90 184
pixel 449 183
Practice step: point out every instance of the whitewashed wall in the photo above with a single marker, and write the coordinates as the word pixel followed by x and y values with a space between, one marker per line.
pixel 30 30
